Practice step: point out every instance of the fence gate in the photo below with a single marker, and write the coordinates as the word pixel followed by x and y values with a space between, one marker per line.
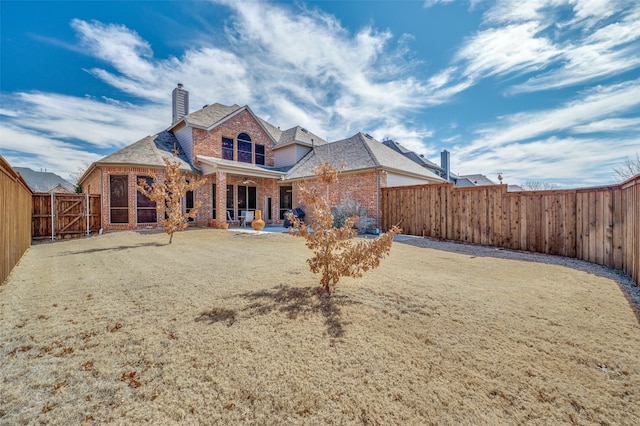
pixel 61 215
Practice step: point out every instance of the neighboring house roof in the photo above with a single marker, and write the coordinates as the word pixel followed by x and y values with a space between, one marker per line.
pixel 463 182
pixel 358 152
pixel 417 158
pixel 514 188
pixel 43 181
pixel 151 151
pixel 478 179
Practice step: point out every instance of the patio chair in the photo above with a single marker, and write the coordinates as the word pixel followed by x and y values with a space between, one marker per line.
pixel 232 221
pixel 248 218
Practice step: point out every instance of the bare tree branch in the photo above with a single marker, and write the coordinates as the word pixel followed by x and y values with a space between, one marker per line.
pixel 335 254
pixel 167 191
pixel 628 169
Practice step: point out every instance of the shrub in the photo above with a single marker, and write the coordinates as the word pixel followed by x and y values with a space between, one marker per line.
pixel 335 253
pixel 349 208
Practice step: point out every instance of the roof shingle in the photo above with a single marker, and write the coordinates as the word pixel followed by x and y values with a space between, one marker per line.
pixel 358 152
pixel 151 151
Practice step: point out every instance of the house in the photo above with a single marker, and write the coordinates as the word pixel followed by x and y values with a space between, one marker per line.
pixel 482 180
pixel 416 158
pixel 444 170
pixel 249 163
pixel 45 181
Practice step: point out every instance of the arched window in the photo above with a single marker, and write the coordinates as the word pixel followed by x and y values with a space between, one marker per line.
pixel 245 148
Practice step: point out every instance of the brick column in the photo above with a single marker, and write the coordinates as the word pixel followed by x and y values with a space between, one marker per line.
pixel 221 197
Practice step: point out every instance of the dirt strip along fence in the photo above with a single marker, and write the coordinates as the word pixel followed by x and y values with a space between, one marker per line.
pixel 599 225
pixel 15 218
pixel 61 215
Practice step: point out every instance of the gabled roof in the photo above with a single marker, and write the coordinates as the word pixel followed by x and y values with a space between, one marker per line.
pixel 209 115
pixel 419 159
pixel 478 179
pixel 359 152
pixel 150 151
pixel 215 114
pixel 43 181
pixel 299 135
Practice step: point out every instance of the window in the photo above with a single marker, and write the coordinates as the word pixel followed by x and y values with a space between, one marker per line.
pixel 286 200
pixel 145 208
pixel 118 198
pixel 260 154
pixel 245 148
pixel 246 198
pixel 230 206
pixel 227 148
pixel 213 202
pixel 190 203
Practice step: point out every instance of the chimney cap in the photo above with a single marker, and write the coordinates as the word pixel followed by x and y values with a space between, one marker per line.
pixel 180 86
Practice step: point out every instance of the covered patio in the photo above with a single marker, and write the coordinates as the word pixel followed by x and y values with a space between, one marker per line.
pixel 239 189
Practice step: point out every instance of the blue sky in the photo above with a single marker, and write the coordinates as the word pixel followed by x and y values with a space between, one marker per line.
pixel 542 90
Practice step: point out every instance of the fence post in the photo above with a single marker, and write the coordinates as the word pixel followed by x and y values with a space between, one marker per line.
pixel 53 215
pixel 88 212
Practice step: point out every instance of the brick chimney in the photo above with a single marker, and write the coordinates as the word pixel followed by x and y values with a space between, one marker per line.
pixel 445 163
pixel 180 103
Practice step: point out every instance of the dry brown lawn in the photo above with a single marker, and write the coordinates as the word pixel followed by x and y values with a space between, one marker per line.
pixel 222 327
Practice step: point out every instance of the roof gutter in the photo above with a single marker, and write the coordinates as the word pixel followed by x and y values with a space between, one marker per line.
pixel 211 166
pixel 435 178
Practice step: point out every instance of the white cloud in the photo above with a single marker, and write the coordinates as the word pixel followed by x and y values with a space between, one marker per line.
pixel 431 3
pixel 563 161
pixel 597 104
pixel 610 125
pixel 96 123
pixel 512 49
pixel 561 43
pixel 38 151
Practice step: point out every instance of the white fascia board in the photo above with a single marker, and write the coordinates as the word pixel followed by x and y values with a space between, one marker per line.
pixel 210 166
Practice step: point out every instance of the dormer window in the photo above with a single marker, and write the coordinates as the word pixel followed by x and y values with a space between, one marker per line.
pixel 245 148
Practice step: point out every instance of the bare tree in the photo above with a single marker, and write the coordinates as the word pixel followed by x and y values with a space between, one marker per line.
pixel 168 193
pixel 335 253
pixel 536 185
pixel 628 169
pixel 77 175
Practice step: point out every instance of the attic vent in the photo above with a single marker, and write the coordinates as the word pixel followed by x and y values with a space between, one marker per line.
pixel 304 130
pixel 368 135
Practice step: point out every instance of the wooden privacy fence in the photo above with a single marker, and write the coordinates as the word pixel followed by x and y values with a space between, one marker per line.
pixel 15 218
pixel 600 225
pixel 60 215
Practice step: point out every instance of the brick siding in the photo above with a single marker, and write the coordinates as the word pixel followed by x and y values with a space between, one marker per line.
pixel 359 187
pixel 209 143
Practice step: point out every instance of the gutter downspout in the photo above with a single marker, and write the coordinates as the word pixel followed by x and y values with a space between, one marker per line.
pixel 378 225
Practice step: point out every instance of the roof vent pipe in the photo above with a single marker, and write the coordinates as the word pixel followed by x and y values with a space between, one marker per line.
pixel 180 98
